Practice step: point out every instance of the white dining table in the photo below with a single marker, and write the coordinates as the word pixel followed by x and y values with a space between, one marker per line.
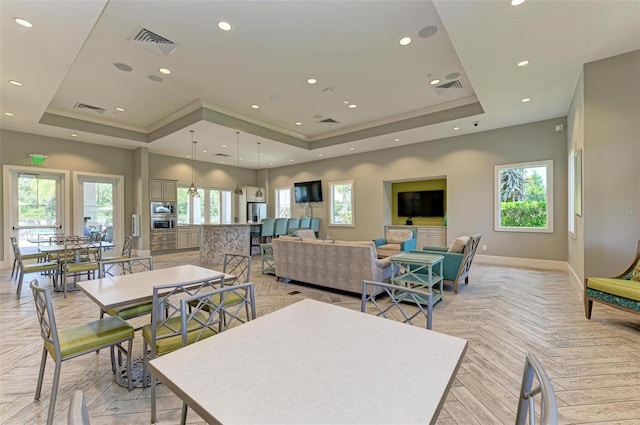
pixel 119 291
pixel 315 363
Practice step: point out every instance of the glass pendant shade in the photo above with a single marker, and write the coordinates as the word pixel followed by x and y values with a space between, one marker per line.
pixel 193 191
pixel 238 190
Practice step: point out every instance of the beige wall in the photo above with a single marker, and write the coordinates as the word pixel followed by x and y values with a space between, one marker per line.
pixel 467 163
pixel 611 160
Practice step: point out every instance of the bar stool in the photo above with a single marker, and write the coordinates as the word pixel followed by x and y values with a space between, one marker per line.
pixel 280 227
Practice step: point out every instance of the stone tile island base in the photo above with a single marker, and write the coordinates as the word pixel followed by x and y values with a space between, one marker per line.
pixel 218 239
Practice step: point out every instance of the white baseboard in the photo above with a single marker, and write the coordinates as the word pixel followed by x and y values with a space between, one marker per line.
pixel 575 280
pixel 521 262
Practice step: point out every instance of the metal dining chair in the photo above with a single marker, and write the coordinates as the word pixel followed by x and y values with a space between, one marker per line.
pixel 78 413
pixel 79 258
pixel 402 303
pixel 50 267
pixel 66 344
pixel 526 404
pixel 122 266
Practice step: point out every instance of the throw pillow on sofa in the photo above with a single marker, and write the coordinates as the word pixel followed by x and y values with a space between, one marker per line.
pixel 458 244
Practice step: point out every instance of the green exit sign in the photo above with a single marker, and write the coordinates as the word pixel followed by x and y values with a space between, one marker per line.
pixel 37 159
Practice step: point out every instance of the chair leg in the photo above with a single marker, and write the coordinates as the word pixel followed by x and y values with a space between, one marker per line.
pixel 588 306
pixel 43 363
pixel 130 364
pixel 54 392
pixel 20 279
pixel 183 417
pixel 13 269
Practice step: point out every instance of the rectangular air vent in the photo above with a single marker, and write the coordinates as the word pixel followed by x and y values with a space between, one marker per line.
pixel 85 107
pixel 447 87
pixel 329 121
pixel 152 41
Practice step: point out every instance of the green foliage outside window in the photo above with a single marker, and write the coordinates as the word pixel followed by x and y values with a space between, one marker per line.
pixel 523 196
pixel 342 205
pixel 524 214
pixel 37 201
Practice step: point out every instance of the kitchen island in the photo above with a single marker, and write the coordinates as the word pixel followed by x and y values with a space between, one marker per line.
pixel 218 239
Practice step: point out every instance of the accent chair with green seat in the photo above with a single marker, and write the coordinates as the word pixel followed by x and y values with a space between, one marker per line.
pixel 621 291
pixel 457 259
pixel 50 267
pixel 127 265
pixel 27 253
pixel 66 344
pixel 396 240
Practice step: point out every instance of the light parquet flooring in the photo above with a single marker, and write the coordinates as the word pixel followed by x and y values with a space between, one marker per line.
pixel 504 312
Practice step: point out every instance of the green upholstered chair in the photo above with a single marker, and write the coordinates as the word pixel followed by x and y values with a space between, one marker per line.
pixel 396 240
pixel 122 266
pixel 66 344
pixel 27 253
pixel 78 413
pixel 127 246
pixel 211 313
pixel 50 267
pixel 401 303
pixel 280 227
pixel 621 291
pixel 164 334
pixel 266 230
pixel 79 258
pixel 526 405
pixel 456 265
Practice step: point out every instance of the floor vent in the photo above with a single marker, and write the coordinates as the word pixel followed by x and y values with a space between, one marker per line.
pixel 152 41
pixel 447 87
pixel 329 121
pixel 85 107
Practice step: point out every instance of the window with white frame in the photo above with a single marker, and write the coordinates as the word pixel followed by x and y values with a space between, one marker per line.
pixel 341 196
pixel 283 202
pixel 524 197
pixel 571 167
pixel 213 206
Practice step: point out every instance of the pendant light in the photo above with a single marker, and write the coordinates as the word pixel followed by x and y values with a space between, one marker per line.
pixel 238 190
pixel 193 191
pixel 259 193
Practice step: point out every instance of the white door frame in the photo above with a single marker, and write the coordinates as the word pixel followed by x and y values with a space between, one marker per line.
pixel 118 203
pixel 8 173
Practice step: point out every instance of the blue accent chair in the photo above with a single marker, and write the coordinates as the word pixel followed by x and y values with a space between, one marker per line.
pixel 393 243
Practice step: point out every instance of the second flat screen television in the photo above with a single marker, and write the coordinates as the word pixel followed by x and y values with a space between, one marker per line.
pixel 308 191
pixel 428 203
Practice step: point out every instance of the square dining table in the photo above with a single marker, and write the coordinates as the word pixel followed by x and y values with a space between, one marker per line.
pixel 315 363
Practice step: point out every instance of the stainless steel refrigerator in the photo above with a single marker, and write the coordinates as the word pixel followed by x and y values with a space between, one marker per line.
pixel 256 211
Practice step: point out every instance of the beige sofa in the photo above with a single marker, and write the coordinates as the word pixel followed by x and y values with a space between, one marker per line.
pixel 333 264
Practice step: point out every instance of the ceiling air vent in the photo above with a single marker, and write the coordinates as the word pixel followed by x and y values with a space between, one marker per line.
pixel 329 121
pixel 152 41
pixel 447 87
pixel 85 107
pixel 223 155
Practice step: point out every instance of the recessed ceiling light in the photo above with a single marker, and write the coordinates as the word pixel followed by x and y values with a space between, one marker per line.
pixel 164 71
pixel 427 32
pixel 155 78
pixel 456 128
pixel 188 156
pixel 298 123
pixel 224 146
pixel 353 106
pixel 255 106
pixel 452 76
pixel 15 83
pixel 224 26
pixel 312 81
pixel 352 149
pixel 405 41
pixel 434 82
pixel 396 140
pixel 74 134
pixel 291 160
pixel 523 63
pixel 204 151
pixel 9 114
pixel 23 22
pixel 123 66
pixel 320 154
pixel 526 99
pixel 241 159
pixel 119 109
pixel 517 2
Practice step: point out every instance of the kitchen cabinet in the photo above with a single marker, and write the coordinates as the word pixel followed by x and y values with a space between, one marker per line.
pixel 431 236
pixel 163 190
pixel 250 192
pixel 188 237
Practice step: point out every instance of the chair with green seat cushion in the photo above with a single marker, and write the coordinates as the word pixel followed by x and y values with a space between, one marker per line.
pixel 212 313
pixel 127 246
pixel 122 266
pixel 164 333
pixel 65 344
pixel 50 267
pixel 27 253
pixel 457 260
pixel 621 291
pixel 80 258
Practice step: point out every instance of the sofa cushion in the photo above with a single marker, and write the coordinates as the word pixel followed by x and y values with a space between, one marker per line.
pixel 398 235
pixel 289 238
pixel 388 249
pixel 636 272
pixel 458 244
pixel 305 234
pixel 620 287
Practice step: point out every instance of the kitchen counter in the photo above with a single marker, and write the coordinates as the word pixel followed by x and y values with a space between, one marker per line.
pixel 218 239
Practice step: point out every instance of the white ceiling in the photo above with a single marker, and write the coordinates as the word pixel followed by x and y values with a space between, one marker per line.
pixel 351 47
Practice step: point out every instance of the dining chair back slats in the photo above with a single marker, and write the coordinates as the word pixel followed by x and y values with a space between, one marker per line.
pixel 122 266
pixel 401 303
pixel 237 265
pixel 79 257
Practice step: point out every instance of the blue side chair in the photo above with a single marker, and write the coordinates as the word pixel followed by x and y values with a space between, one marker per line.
pixel 266 231
pixel 305 223
pixel 280 227
pixel 293 223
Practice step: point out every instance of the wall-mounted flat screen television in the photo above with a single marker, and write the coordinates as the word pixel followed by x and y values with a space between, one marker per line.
pixel 308 191
pixel 426 203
